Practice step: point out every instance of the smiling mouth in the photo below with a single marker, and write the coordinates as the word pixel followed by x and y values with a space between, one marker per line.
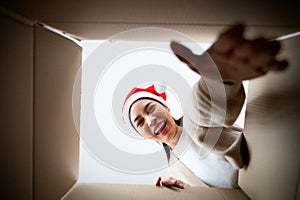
pixel 159 129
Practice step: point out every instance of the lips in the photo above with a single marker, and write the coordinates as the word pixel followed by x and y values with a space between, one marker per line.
pixel 159 128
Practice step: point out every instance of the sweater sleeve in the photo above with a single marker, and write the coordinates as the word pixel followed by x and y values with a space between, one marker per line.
pixel 215 104
pixel 211 111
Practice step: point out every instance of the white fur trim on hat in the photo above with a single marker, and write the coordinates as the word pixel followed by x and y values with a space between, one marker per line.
pixel 141 95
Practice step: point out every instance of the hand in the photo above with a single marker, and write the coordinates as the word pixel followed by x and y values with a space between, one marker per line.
pixel 236 58
pixel 171 182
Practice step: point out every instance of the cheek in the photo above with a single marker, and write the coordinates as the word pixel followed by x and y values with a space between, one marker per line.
pixel 144 131
pixel 160 113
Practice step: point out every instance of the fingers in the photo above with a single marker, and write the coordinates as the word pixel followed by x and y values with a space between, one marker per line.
pixel 229 39
pixel 278 65
pixel 172 182
pixel 261 54
pixel 258 52
pixel 158 181
pixel 241 59
pixel 181 51
pixel 249 48
pixel 169 182
pixel 185 55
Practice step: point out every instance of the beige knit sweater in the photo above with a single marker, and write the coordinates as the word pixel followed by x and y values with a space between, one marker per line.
pixel 211 110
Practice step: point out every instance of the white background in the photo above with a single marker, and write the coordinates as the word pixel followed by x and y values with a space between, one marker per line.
pixel 90 170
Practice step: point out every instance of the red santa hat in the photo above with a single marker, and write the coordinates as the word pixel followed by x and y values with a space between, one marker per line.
pixel 155 92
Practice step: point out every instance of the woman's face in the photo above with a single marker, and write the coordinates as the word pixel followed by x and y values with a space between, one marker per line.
pixel 153 120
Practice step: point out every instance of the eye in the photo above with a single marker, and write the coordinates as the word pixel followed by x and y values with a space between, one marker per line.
pixel 140 123
pixel 151 109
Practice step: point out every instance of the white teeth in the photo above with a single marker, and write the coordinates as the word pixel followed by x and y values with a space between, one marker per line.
pixel 162 125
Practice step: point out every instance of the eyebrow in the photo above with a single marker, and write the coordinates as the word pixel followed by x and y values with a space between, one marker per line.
pixel 145 109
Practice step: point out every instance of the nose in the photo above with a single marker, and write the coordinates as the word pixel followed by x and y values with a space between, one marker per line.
pixel 150 120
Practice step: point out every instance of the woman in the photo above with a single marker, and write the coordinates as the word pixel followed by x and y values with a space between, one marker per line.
pixel 237 59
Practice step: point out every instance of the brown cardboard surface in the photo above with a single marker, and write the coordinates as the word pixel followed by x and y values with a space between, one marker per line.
pixel 214 12
pixel 39 146
pixel 118 191
pixel 16 109
pixel 101 19
pixel 272 131
pixel 298 189
pixel 56 150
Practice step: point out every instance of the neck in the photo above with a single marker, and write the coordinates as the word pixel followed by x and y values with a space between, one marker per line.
pixel 173 142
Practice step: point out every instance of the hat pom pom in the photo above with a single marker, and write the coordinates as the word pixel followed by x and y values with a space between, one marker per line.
pixel 160 88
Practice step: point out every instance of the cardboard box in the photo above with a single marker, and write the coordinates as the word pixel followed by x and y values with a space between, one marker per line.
pixel 40 146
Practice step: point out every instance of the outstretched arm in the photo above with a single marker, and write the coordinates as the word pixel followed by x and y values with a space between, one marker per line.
pixel 229 61
pixel 235 57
